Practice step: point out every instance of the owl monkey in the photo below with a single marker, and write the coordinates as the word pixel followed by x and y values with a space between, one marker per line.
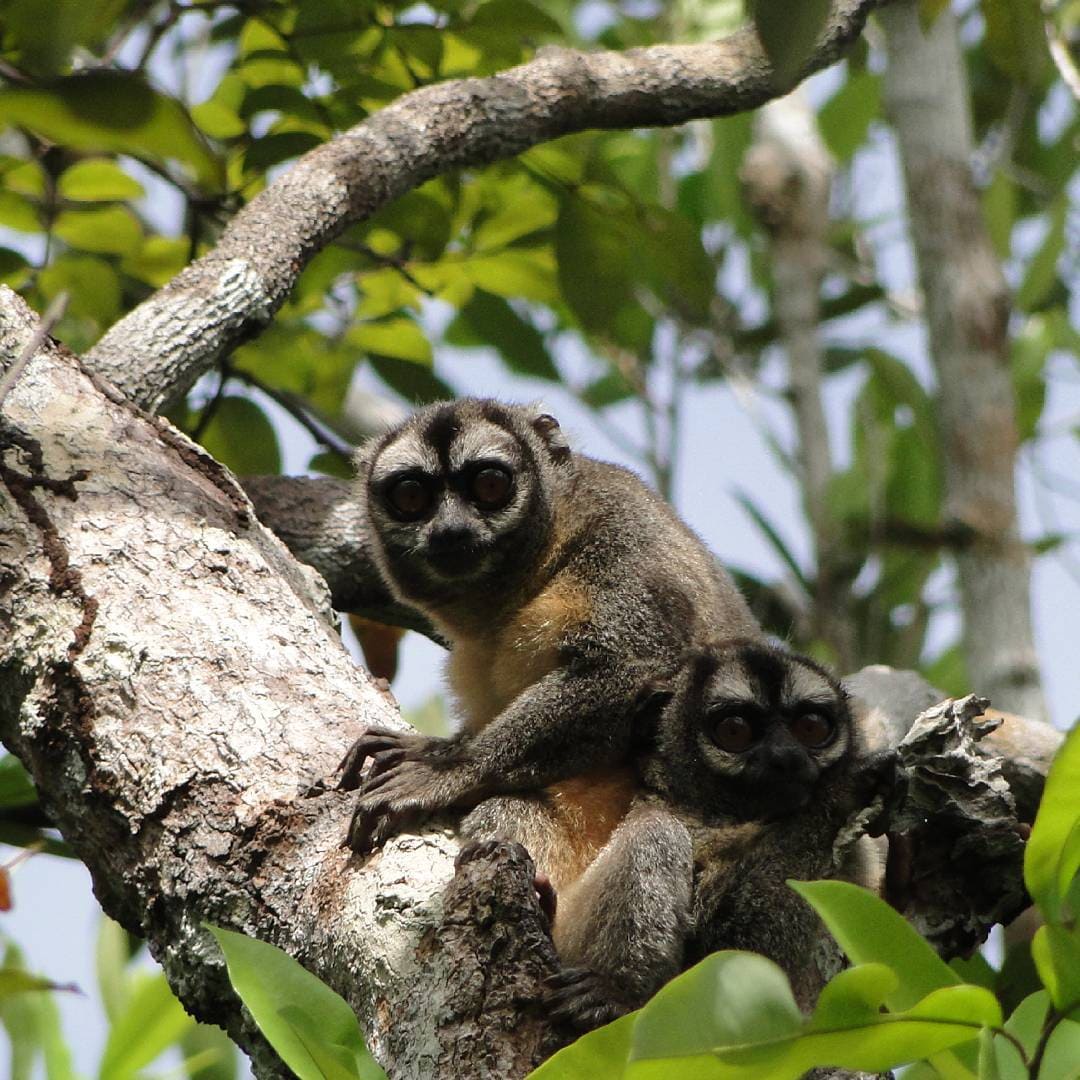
pixel 561 584
pixel 756 764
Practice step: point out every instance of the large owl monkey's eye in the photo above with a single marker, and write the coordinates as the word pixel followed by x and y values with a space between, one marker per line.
pixel 491 487
pixel 813 729
pixel 409 497
pixel 733 733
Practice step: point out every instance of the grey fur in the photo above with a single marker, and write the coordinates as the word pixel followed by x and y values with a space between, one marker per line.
pixel 576 530
pixel 744 846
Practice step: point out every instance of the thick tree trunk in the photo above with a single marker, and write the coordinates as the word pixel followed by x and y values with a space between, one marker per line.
pixel 173 680
pixel 967 307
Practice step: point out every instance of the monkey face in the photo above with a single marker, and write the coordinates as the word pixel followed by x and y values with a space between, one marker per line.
pixel 750 732
pixel 460 495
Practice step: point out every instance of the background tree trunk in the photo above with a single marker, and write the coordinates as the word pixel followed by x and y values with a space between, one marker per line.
pixel 967 310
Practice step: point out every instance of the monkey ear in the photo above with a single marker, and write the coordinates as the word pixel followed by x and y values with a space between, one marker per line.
pixel 547 427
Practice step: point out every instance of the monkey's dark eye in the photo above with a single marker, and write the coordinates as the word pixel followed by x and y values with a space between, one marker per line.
pixel 813 729
pixel 409 498
pixel 733 733
pixel 491 488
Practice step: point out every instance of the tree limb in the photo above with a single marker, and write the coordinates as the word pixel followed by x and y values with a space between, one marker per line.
pixel 157 351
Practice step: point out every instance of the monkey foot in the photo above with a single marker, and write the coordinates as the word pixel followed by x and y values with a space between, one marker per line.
pixel 582 999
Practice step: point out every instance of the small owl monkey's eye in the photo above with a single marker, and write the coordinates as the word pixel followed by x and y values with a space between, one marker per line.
pixel 491 487
pixel 733 733
pixel 813 729
pixel 409 497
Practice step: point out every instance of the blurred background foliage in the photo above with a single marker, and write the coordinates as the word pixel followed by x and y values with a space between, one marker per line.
pixel 625 267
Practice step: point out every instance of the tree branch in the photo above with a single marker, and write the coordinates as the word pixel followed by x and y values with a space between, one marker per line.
pixel 158 350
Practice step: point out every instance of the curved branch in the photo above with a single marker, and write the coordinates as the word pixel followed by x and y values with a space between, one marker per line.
pixel 158 350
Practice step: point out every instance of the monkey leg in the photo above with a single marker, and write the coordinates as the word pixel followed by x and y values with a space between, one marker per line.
pixel 622 925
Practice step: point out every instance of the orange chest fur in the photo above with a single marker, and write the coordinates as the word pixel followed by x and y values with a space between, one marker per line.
pixel 487 672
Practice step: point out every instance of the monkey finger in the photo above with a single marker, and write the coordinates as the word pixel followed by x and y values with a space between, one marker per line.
pixel 384 759
pixel 361 831
pixel 370 743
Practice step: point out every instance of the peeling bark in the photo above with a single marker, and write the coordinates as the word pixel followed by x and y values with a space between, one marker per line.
pixel 157 351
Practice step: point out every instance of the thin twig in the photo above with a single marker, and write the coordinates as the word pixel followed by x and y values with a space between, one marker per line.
pixel 53 314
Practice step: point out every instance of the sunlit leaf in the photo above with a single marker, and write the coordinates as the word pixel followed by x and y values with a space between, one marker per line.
pixel 114 112
pixel 152 1020
pixel 103 230
pixel 599 1054
pixel 302 1018
pixel 1052 855
pixel 490 320
pixel 97 180
pixel 400 338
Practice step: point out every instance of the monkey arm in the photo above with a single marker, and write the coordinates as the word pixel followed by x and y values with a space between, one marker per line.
pixel 573 719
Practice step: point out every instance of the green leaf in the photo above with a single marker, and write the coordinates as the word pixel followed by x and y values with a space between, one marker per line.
pixel 729 999
pixel 515 273
pixel 599 1054
pixel 397 337
pixel 112 112
pixel 152 1020
pixel 1015 39
pixel 98 180
pixel 870 931
pixel 332 465
pixel 310 1027
pixel 775 541
pixel 999 209
pixel 16 787
pixel 845 118
pixel 609 389
pixel 1025 1024
pixel 1041 272
pixel 157 260
pixel 91 284
pixel 1062 1053
pixel 490 320
pixel 32 1022
pixel 595 274
pixel 847 1030
pixel 1028 352
pixel 18 213
pixel 114 980
pixel 1056 952
pixel 14 980
pixel 14 268
pixel 415 383
pixel 209 1054
pixel 106 230
pixel 1052 856
pixel 788 33
pixel 241 437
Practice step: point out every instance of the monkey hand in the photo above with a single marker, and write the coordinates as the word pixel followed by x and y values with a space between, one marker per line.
pixel 385 747
pixel 582 999
pixel 411 777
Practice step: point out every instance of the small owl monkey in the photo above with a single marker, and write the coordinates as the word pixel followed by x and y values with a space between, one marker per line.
pixel 562 584
pixel 756 765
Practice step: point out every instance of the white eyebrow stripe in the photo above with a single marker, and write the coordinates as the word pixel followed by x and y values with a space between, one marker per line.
pixel 802 684
pixel 731 685
pixel 407 453
pixel 480 441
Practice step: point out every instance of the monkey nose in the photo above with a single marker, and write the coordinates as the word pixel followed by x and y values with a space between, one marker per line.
pixel 450 538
